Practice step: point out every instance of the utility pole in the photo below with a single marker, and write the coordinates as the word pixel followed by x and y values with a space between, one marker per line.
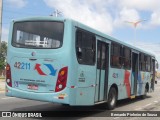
pixel 1 5
pixel 56 13
pixel 135 24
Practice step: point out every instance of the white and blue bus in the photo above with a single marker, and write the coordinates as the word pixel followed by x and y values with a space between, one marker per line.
pixel 63 61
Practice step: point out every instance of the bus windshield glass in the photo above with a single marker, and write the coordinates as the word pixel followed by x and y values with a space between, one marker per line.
pixel 38 34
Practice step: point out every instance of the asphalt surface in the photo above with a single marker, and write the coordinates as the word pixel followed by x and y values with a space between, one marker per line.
pixel 151 103
pixel 2 85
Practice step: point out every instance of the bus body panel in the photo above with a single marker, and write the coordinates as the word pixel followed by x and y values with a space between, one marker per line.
pixel 86 78
pixel 38 74
pixel 35 71
pixel 143 79
pixel 38 67
pixel 47 97
pixel 122 78
pixel 85 96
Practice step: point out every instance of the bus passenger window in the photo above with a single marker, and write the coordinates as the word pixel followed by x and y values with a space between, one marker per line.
pixel 148 64
pixel 85 47
pixel 116 58
pixel 126 58
pixel 142 62
pixel 116 61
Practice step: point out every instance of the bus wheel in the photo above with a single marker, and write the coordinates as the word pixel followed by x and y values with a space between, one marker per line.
pixel 65 105
pixel 112 98
pixel 145 92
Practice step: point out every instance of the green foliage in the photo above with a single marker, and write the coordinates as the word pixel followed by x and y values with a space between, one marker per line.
pixel 3 53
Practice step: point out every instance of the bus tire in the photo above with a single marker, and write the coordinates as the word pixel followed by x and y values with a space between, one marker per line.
pixel 65 105
pixel 145 94
pixel 112 98
pixel 145 91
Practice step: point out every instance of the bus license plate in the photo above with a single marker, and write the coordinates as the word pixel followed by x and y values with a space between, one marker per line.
pixel 33 87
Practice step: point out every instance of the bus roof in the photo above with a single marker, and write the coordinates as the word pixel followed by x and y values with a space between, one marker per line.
pixel 85 27
pixel 105 36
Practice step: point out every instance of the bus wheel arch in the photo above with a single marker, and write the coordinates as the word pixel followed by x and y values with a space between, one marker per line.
pixel 112 97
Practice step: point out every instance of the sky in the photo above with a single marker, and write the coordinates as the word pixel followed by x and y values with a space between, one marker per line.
pixel 111 17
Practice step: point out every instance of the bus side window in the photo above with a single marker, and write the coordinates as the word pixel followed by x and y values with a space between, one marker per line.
pixel 85 47
pixel 127 58
pixel 116 61
pixel 148 64
pixel 79 45
pixel 142 62
pixel 116 57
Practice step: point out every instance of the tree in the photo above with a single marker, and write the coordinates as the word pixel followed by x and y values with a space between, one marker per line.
pixel 3 55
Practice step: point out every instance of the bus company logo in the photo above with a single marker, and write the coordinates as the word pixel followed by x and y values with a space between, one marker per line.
pixel 33 53
pixel 115 75
pixel 41 72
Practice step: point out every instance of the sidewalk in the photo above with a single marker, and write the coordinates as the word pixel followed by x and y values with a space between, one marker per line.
pixel 2 85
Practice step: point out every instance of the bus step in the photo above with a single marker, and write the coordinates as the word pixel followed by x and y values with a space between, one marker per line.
pixel 132 97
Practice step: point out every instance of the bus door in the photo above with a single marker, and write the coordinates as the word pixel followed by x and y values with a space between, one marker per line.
pixel 152 73
pixel 134 73
pixel 102 71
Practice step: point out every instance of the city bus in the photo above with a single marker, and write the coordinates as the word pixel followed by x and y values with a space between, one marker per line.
pixel 60 60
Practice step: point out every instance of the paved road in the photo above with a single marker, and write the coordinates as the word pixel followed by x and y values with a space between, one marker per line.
pixel 2 85
pixel 151 103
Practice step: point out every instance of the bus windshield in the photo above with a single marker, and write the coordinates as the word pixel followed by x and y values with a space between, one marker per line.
pixel 38 34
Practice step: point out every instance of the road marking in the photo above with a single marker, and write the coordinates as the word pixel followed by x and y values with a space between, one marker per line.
pixel 148 104
pixel 144 106
pixel 138 108
pixel 7 98
pixel 116 118
pixel 157 88
pixel 156 101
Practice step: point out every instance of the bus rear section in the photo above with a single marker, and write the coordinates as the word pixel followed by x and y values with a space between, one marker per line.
pixel 36 68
